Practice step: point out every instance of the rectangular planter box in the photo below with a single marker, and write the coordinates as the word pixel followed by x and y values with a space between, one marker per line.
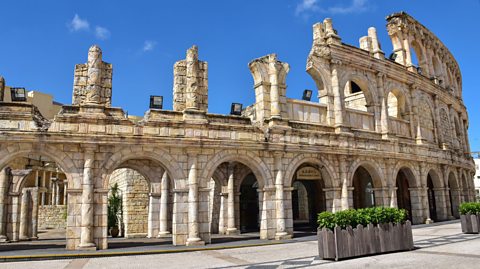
pixel 470 224
pixel 361 241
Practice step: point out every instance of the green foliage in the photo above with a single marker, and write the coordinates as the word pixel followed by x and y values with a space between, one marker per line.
pixel 114 206
pixel 469 208
pixel 363 216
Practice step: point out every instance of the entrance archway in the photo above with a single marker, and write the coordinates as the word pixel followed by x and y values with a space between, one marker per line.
pixel 34 199
pixel 454 195
pixel 308 197
pixel 249 205
pixel 363 189
pixel 432 204
pixel 403 192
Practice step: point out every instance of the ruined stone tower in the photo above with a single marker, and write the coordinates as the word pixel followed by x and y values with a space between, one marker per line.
pixel 190 83
pixel 92 82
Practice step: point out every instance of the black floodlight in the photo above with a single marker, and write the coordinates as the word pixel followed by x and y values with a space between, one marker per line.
pixel 392 56
pixel 156 102
pixel 236 109
pixel 18 94
pixel 419 70
pixel 307 95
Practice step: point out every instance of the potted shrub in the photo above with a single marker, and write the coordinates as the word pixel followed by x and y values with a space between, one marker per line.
pixel 368 231
pixel 470 217
pixel 114 210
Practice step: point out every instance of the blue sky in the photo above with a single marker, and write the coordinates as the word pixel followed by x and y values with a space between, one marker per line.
pixel 43 40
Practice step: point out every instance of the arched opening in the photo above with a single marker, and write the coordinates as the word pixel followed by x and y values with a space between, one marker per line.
pixel 453 194
pixel 249 205
pixel 35 202
pixel 354 96
pixel 403 192
pixel 234 202
pixel 134 191
pixel 432 205
pixel 363 189
pixel 437 68
pixel 145 189
pixel 418 58
pixel 396 105
pixel 308 197
pixel 425 114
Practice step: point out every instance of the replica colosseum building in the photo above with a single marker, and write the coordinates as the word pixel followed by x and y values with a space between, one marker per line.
pixel 384 132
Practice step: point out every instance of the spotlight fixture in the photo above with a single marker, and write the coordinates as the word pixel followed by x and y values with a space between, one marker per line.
pixel 156 102
pixel 236 109
pixel 307 95
pixel 392 56
pixel 18 94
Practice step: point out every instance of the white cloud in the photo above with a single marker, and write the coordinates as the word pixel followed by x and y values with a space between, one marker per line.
pixel 149 45
pixel 78 24
pixel 306 7
pixel 356 6
pixel 102 32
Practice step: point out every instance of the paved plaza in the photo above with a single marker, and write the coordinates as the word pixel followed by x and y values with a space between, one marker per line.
pixel 440 245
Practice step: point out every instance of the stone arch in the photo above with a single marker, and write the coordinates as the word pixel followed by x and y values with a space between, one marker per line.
pixel 426 117
pixel 319 76
pixel 454 193
pixel 367 189
pixel 436 177
pixel 398 101
pixel 413 179
pixel 161 157
pixel 369 92
pixel 446 126
pixel 419 51
pixel 372 168
pixel 64 162
pixel 256 164
pixel 327 172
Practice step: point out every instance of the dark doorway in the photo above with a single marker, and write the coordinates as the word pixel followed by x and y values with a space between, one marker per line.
pixel 249 209
pixel 363 194
pixel 308 200
pixel 403 194
pixel 432 207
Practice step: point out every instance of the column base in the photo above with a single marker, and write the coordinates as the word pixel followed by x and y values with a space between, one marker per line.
pixel 3 239
pixel 233 231
pixel 24 238
pixel 195 242
pixel 33 238
pixel 164 234
pixel 283 236
pixel 89 247
pixel 429 221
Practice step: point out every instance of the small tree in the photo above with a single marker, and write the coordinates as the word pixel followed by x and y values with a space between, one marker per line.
pixel 114 207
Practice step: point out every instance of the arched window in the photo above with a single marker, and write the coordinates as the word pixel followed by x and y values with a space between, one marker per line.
pixel 355 96
pixel 396 104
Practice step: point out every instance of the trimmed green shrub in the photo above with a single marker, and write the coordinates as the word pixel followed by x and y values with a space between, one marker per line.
pixel 363 216
pixel 469 208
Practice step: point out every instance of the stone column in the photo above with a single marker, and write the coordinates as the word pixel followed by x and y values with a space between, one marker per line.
pixel 65 184
pixel 393 196
pixel 34 194
pixel 275 110
pixel 279 199
pixel 4 174
pixel 86 237
pixel 231 229
pixel 338 104
pixel 24 215
pixel 44 178
pixel 151 201
pixel 57 192
pixel 163 232
pixel 344 181
pixel 193 229
pixel 221 217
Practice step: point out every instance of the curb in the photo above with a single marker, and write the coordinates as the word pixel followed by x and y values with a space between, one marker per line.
pixel 41 257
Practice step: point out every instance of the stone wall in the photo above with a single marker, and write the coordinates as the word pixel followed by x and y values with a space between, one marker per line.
pixel 134 189
pixel 52 216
